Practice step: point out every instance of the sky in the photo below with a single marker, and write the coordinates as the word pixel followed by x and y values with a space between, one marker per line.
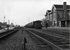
pixel 22 12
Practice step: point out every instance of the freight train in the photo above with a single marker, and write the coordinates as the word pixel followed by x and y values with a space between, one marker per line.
pixel 37 24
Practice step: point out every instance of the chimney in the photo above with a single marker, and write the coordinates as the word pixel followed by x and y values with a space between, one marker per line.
pixel 64 8
pixel 64 5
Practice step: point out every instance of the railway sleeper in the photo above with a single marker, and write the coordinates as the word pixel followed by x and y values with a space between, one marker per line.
pixel 54 47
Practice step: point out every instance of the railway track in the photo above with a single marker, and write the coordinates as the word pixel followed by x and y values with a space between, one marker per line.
pixel 7 33
pixel 56 43
pixel 56 33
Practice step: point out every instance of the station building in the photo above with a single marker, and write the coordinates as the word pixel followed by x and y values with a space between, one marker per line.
pixel 59 15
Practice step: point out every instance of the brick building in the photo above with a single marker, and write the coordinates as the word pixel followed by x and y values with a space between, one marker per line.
pixel 59 15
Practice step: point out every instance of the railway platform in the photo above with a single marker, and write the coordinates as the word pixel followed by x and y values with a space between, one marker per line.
pixel 2 30
pixel 66 28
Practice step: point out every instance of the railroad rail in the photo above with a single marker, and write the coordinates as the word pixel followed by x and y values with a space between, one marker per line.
pixel 55 42
pixel 56 33
pixel 7 33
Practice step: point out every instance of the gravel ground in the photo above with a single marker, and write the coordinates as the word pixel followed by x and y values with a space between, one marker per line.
pixel 16 42
pixel 30 45
pixel 13 42
pixel 40 45
pixel 56 32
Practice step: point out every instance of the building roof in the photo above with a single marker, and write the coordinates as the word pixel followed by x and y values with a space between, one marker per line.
pixel 61 6
pixel 48 11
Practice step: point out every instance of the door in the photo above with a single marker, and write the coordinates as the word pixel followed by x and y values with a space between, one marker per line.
pixel 62 23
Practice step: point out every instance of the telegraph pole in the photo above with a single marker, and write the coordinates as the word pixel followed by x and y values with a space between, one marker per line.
pixel 4 18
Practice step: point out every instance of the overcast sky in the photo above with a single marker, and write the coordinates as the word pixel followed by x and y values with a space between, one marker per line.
pixel 23 11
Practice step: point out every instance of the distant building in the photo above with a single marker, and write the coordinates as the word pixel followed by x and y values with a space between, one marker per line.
pixel 3 25
pixel 49 17
pixel 59 15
